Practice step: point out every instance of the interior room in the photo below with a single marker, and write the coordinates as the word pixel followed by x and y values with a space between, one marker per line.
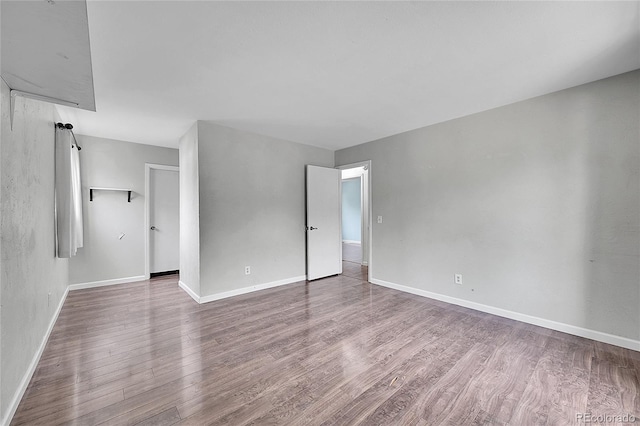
pixel 403 213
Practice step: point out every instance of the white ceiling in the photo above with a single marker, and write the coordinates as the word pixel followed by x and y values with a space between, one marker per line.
pixel 336 74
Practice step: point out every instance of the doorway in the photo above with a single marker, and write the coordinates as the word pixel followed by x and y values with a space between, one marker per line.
pixel 351 218
pixel 355 219
pixel 162 206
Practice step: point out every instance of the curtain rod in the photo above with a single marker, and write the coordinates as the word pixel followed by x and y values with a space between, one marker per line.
pixel 69 127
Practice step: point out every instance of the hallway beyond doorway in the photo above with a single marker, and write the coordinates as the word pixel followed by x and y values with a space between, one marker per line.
pixel 352 262
pixel 352 252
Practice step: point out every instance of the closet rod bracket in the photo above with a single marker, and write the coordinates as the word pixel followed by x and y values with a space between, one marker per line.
pixel 15 93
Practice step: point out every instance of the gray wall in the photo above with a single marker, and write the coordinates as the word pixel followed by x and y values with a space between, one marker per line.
pixel 190 211
pixel 30 271
pixel 114 164
pixel 252 207
pixel 536 204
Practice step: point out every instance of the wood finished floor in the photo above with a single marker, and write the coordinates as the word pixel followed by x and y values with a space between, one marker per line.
pixel 331 352
pixel 351 252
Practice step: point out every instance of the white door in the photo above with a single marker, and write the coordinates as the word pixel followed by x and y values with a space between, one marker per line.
pixel 164 220
pixel 324 239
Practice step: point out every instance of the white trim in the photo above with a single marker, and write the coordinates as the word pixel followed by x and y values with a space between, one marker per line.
pixel 188 290
pixel 352 242
pixel 147 172
pixel 103 283
pixel 553 325
pixel 251 289
pixel 239 291
pixel 24 383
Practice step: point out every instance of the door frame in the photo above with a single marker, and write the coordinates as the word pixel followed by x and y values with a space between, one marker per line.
pixel 366 189
pixel 147 211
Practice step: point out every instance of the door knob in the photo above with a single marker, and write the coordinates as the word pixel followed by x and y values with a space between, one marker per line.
pixel 312 228
pixel 153 228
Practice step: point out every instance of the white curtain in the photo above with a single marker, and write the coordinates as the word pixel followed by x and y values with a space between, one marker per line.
pixel 69 231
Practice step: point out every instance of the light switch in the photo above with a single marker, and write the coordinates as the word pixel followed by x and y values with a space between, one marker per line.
pixel 379 219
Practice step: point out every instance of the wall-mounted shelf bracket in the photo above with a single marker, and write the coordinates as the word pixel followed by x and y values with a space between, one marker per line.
pixel 95 188
pixel 16 93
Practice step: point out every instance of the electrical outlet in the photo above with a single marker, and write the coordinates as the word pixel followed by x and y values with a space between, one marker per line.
pixel 379 219
pixel 457 278
pixel 247 270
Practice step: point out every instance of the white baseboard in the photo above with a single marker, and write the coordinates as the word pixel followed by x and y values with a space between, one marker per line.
pixel 237 292
pixel 257 287
pixel 190 292
pixel 24 383
pixel 351 242
pixel 103 283
pixel 553 325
